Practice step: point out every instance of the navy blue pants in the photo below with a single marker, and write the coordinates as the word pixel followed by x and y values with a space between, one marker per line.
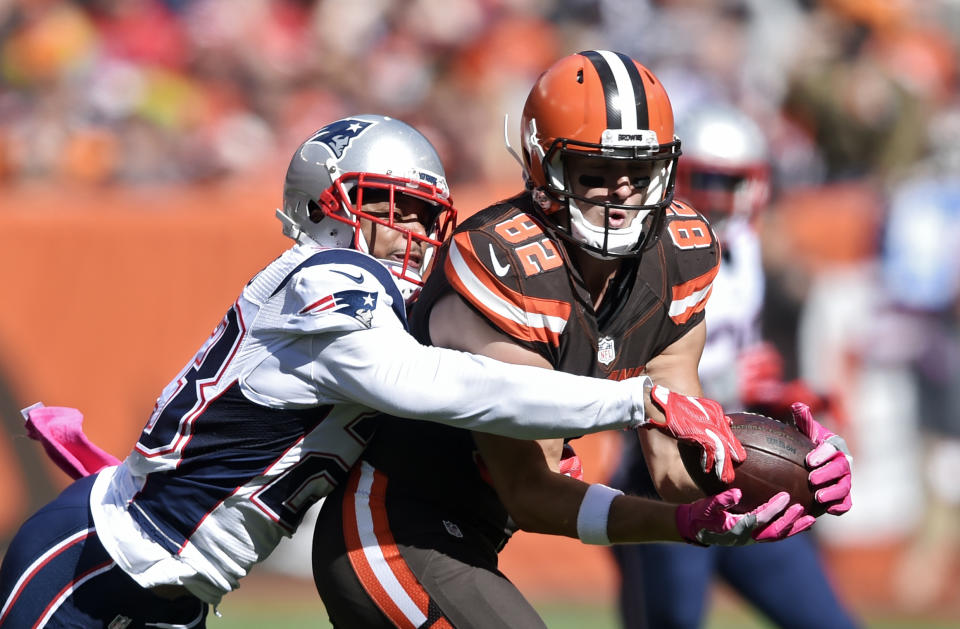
pixel 665 586
pixel 56 573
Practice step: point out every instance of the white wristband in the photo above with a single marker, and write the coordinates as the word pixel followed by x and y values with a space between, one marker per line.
pixel 594 513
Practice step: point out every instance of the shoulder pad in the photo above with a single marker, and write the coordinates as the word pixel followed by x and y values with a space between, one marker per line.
pixel 340 290
pixel 501 268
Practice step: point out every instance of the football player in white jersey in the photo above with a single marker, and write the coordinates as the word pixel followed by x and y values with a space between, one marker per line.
pixel 725 173
pixel 279 402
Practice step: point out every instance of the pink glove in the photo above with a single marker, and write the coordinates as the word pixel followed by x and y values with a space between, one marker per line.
pixel 700 421
pixel 570 464
pixel 829 462
pixel 707 522
pixel 60 430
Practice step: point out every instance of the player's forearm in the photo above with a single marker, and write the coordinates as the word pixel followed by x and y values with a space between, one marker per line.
pixel 522 472
pixel 390 372
pixel 634 520
pixel 552 507
pixel 549 510
pixel 670 478
pixel 676 369
pixel 541 500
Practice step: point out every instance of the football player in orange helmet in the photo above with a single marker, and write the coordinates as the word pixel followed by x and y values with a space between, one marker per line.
pixel 593 269
pixel 602 166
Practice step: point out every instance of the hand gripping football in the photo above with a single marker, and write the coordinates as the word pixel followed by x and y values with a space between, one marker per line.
pixel 774 463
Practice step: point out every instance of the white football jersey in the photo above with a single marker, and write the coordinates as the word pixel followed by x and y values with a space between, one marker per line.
pixel 278 404
pixel 252 432
pixel 733 313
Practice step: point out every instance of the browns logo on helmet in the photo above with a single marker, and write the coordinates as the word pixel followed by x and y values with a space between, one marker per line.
pixel 602 106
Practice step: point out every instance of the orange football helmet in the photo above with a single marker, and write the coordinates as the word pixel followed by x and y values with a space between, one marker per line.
pixel 599 105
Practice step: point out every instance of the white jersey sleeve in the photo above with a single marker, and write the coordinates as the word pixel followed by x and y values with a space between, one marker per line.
pixel 340 331
pixel 347 293
pixel 395 374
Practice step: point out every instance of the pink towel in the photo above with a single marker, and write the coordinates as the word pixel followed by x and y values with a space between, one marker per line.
pixel 60 430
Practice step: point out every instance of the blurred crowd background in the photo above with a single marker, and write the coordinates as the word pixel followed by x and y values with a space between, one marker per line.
pixel 859 99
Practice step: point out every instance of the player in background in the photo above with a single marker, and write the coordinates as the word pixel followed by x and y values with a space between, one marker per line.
pixel 277 404
pixel 592 269
pixel 725 173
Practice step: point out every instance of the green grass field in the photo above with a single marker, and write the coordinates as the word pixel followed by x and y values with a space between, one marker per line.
pixel 557 616
pixel 284 603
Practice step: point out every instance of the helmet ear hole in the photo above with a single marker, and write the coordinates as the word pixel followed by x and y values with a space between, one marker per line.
pixel 314 211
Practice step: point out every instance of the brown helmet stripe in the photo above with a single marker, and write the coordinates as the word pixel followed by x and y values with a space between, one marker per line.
pixel 610 91
pixel 622 84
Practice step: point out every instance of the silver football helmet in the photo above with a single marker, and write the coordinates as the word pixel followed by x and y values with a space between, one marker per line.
pixel 725 168
pixel 330 173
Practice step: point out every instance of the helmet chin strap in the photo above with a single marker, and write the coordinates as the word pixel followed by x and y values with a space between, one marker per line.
pixel 408 289
pixel 619 241
pixel 291 228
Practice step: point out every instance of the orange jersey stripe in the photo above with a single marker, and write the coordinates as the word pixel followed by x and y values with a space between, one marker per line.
pixel 691 297
pixel 522 317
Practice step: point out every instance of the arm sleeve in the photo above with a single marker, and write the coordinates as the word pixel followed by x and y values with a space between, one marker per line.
pixel 390 371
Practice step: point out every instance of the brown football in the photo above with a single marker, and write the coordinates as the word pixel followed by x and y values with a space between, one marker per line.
pixel 774 463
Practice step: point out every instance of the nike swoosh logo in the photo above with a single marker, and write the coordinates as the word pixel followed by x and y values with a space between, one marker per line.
pixel 356 278
pixel 499 269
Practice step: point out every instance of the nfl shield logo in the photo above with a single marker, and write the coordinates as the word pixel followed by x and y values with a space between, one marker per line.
pixel 605 350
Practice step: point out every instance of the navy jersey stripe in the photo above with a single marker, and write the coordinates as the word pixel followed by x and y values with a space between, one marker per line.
pixel 358 259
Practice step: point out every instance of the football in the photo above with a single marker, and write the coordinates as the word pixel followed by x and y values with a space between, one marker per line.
pixel 774 463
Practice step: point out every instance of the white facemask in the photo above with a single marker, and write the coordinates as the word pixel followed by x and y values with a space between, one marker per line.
pixel 619 241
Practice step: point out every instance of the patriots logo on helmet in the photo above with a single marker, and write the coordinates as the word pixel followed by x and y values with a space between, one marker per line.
pixel 358 304
pixel 339 134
